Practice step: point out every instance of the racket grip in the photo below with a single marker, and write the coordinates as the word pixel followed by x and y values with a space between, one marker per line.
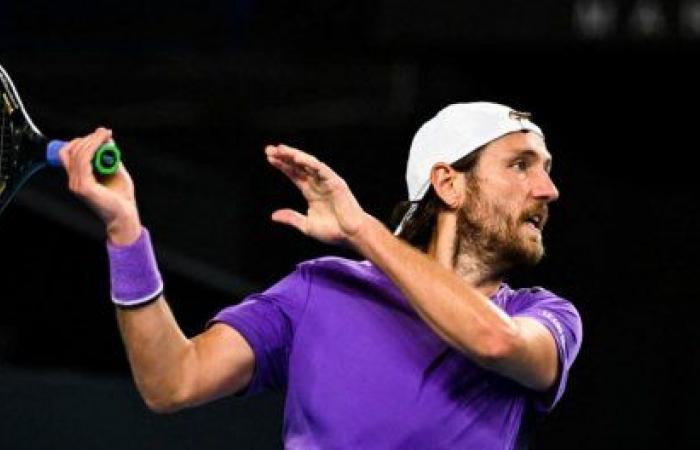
pixel 105 162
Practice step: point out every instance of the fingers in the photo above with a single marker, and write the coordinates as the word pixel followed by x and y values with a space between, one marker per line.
pixel 77 156
pixel 302 161
pixel 291 218
pixel 291 170
pixel 65 152
pixel 87 149
pixel 312 177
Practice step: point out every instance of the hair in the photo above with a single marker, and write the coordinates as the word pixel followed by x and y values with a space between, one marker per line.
pixel 418 229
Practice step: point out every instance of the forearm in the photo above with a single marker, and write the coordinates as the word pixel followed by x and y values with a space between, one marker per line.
pixel 158 352
pixel 457 312
pixel 156 347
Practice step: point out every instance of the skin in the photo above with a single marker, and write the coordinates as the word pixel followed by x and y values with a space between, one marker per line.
pixel 510 183
pixel 448 286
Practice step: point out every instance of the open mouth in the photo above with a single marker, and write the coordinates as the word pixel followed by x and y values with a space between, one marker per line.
pixel 536 221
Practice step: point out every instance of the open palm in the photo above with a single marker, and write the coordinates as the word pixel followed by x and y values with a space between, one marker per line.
pixel 333 214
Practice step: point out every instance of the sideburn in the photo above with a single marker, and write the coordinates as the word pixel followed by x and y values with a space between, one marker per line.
pixel 479 235
pixel 472 237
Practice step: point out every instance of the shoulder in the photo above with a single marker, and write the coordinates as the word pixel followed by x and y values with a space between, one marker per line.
pixel 338 266
pixel 320 271
pixel 523 298
pixel 525 301
pixel 346 275
pixel 555 311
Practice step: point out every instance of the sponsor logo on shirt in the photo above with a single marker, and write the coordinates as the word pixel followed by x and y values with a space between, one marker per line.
pixel 560 330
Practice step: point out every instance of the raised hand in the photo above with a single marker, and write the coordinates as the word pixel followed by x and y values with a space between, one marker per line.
pixel 333 214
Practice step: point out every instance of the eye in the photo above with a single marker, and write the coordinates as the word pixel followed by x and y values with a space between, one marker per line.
pixel 519 165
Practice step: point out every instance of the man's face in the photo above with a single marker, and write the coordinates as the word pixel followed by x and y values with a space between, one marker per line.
pixel 505 208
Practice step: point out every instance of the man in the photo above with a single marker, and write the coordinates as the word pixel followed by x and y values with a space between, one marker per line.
pixel 420 346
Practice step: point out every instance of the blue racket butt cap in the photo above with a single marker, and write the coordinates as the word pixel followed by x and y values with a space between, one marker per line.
pixel 52 153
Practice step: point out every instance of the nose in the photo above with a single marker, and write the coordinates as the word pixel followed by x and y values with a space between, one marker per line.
pixel 544 188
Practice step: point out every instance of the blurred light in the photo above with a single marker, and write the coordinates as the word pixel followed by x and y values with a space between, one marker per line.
pixel 595 19
pixel 648 19
pixel 689 18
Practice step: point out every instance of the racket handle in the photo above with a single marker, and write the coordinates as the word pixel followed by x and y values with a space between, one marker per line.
pixel 105 162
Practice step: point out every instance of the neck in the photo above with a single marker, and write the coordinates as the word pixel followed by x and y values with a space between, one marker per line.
pixel 445 249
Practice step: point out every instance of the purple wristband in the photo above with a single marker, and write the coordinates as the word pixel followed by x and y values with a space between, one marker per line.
pixel 134 272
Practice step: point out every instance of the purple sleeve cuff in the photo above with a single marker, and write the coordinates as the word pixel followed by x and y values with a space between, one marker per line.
pixel 248 333
pixel 134 272
pixel 545 403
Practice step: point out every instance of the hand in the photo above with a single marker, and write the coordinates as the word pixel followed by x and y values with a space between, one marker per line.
pixel 333 215
pixel 112 197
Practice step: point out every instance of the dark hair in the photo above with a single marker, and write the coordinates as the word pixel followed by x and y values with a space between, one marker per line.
pixel 418 229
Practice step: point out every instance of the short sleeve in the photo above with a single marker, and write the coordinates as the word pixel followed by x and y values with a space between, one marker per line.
pixel 267 321
pixel 562 319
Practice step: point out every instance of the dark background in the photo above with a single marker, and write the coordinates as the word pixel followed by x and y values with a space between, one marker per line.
pixel 194 90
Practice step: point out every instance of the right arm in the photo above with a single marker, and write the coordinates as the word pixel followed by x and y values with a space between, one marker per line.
pixel 171 371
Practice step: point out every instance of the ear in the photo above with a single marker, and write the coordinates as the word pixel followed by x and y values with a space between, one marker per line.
pixel 448 184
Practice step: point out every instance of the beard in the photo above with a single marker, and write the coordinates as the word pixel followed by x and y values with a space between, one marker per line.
pixel 486 231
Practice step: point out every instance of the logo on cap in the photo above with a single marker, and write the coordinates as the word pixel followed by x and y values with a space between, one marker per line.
pixel 519 115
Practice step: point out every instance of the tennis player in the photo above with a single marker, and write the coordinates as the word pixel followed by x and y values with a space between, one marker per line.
pixel 421 344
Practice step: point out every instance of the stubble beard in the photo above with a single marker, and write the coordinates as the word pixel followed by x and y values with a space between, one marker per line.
pixel 493 238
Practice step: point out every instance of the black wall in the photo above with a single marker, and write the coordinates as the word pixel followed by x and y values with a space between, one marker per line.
pixel 195 90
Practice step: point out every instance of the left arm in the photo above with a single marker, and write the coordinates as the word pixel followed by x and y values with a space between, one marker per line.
pixel 519 348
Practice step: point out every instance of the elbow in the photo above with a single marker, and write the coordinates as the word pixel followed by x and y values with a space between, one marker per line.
pixel 161 406
pixel 165 402
pixel 507 354
pixel 167 390
pixel 497 349
pixel 493 355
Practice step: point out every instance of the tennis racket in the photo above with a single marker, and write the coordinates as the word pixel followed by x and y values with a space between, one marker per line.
pixel 24 150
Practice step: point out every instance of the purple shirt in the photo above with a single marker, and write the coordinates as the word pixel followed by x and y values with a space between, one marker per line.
pixel 361 370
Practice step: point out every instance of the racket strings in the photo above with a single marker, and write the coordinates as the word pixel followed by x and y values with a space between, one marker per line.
pixel 5 139
pixel 8 154
pixel 18 138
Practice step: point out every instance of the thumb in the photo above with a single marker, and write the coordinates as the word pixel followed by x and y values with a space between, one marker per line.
pixel 291 218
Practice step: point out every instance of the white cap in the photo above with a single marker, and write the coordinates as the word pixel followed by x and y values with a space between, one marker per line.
pixel 454 132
